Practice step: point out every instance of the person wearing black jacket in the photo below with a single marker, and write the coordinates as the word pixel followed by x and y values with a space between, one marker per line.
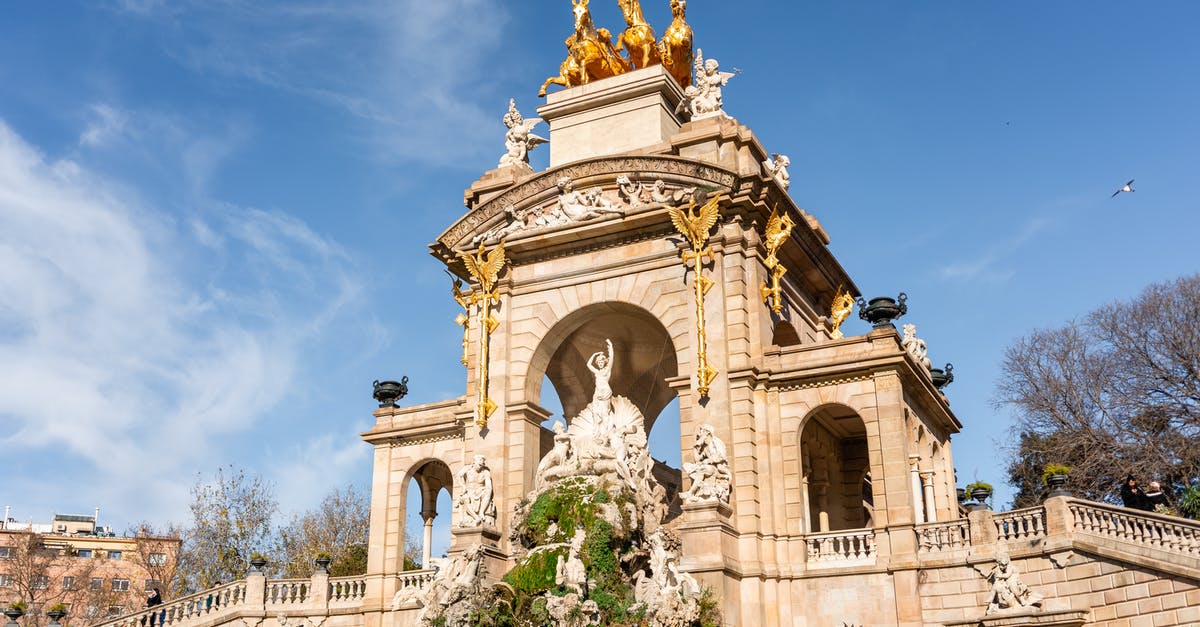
pixel 1155 497
pixel 154 600
pixel 1133 496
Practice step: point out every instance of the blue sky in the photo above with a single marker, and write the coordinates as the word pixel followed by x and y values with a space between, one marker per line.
pixel 214 215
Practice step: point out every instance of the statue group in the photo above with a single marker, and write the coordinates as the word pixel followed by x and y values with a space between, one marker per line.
pixel 592 54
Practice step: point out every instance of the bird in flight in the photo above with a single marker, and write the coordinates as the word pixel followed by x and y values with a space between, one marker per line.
pixel 1127 188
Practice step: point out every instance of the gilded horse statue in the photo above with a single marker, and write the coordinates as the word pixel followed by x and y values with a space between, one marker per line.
pixel 591 54
pixel 676 45
pixel 638 37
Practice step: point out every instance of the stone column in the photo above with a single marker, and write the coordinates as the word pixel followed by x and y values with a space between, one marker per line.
pixel 427 546
pixel 821 488
pixel 917 494
pixel 930 500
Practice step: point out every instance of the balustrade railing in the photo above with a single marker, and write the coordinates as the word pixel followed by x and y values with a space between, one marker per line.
pixel 943 536
pixel 194 606
pixel 1021 524
pixel 835 548
pixel 415 579
pixel 344 589
pixel 1168 533
pixel 287 591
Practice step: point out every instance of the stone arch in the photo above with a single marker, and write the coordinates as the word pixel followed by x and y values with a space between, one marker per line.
pixel 645 355
pixel 432 475
pixel 835 460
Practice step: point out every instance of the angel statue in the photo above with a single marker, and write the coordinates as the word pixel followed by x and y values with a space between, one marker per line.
pixel 519 139
pixel 705 95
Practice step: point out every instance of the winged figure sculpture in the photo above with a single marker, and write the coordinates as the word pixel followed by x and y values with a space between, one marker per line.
pixel 695 225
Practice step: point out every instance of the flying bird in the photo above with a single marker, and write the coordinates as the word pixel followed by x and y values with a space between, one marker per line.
pixel 1127 188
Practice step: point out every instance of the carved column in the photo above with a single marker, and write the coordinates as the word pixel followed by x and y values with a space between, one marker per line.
pixel 930 500
pixel 427 516
pixel 821 488
pixel 917 493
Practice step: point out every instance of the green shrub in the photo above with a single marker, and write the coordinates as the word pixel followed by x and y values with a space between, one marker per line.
pixel 978 485
pixel 1189 501
pixel 1054 469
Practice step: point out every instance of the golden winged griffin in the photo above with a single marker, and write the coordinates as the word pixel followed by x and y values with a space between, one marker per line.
pixel 484 267
pixel 592 55
pixel 695 225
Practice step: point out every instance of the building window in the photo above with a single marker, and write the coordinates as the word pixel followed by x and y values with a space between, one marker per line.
pixel 5 552
pixel 85 553
pixel 120 585
pixel 68 583
pixel 114 555
pixel 97 583
pixel 40 582
pixel 6 580
pixel 158 559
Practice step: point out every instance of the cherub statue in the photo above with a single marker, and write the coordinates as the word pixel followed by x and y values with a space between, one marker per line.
pixel 777 167
pixel 915 346
pixel 1008 591
pixel 704 97
pixel 576 205
pixel 519 139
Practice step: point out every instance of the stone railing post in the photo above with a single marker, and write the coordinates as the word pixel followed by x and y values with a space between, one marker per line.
pixel 1058 516
pixel 983 532
pixel 256 591
pixel 318 589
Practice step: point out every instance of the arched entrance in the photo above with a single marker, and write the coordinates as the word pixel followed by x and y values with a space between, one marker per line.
pixel 835 470
pixel 644 357
pixel 429 478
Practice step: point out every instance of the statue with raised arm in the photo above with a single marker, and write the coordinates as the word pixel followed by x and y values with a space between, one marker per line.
pixel 519 139
pixel 703 97
pixel 601 366
pixel 474 503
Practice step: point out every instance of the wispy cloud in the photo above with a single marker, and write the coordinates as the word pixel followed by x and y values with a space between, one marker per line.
pixel 985 266
pixel 402 67
pixel 134 340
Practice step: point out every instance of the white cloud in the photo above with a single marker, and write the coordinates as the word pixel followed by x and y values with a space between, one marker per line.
pixel 134 345
pixel 984 266
pixel 409 69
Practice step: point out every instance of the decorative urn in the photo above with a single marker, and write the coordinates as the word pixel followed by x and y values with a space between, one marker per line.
pixel 388 392
pixel 257 563
pixel 981 494
pixel 882 310
pixel 942 376
pixel 322 563
pixel 13 613
pixel 56 616
pixel 1056 483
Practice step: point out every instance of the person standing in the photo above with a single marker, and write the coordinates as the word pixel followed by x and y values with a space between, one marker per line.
pixel 1155 498
pixel 1133 496
pixel 154 600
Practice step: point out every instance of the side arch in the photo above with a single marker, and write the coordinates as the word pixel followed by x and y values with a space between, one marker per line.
pixel 834 466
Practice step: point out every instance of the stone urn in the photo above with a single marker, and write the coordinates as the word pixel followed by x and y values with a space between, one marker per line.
pixel 882 310
pixel 257 563
pixel 56 616
pixel 981 494
pixel 1056 483
pixel 13 613
pixel 942 376
pixel 322 563
pixel 388 392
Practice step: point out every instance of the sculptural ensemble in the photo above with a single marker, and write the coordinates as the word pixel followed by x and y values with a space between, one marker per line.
pixel 519 139
pixel 591 54
pixel 710 475
pixel 704 99
pixel 1008 591
pixel 475 505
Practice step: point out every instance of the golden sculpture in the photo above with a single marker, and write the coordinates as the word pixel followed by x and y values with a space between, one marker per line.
pixel 843 304
pixel 778 231
pixel 638 37
pixel 591 54
pixel 675 49
pixel 463 319
pixel 485 270
pixel 695 227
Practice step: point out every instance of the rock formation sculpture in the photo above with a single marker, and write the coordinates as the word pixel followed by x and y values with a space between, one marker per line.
pixel 711 479
pixel 474 506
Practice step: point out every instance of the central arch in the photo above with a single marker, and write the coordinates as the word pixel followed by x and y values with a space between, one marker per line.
pixel 644 355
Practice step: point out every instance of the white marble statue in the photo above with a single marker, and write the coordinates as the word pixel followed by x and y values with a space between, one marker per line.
pixel 474 504
pixel 703 98
pixel 915 346
pixel 519 139
pixel 570 571
pixel 710 475
pixel 777 167
pixel 585 205
pixel 1008 591
pixel 452 585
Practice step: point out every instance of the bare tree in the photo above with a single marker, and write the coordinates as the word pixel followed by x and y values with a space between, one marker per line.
pixel 339 526
pixel 1115 393
pixel 45 571
pixel 157 552
pixel 231 521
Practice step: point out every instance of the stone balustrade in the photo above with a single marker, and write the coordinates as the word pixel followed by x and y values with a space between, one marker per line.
pixel 286 591
pixel 938 537
pixel 415 578
pixel 347 589
pixel 202 605
pixel 841 548
pixel 1168 533
pixel 1021 524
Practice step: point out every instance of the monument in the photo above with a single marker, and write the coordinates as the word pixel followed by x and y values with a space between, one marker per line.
pixel 662 258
